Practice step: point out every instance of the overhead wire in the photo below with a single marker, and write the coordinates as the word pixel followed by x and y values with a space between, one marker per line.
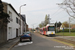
pixel 55 12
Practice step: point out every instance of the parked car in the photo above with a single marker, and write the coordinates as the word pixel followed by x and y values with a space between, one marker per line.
pixel 26 36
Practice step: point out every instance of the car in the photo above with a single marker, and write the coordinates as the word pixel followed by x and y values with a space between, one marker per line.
pixel 26 36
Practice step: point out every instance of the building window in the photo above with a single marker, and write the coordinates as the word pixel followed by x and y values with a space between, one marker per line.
pixel 16 20
pixel 19 22
pixel 10 14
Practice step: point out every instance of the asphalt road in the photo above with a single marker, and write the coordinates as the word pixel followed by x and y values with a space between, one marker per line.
pixel 40 43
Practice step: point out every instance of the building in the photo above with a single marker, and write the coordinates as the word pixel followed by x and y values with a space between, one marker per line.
pixel 23 24
pixel 73 27
pixel 61 27
pixel 27 29
pixel 16 26
pixel 13 27
pixel 30 29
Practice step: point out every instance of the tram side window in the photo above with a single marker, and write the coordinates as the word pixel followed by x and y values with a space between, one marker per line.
pixel 51 29
pixel 45 29
pixel 41 30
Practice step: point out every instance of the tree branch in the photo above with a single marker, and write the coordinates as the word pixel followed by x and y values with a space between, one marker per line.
pixel 69 14
pixel 71 9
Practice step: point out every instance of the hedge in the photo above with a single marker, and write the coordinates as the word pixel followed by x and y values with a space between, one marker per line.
pixel 67 30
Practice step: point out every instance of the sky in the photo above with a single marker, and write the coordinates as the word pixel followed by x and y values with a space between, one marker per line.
pixel 35 10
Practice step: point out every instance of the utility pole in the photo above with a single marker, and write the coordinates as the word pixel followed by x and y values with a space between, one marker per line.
pixel 69 25
pixel 48 19
pixel 33 27
pixel 56 26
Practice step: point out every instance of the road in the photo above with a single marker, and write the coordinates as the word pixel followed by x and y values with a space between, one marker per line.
pixel 40 43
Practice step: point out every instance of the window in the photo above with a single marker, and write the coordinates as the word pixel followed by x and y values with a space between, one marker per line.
pixel 16 20
pixel 19 21
pixel 44 29
pixel 10 14
pixel 51 28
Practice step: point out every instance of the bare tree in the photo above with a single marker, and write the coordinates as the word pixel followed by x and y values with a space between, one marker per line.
pixel 69 6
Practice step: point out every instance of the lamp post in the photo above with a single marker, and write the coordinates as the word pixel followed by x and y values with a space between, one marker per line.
pixel 33 26
pixel 20 8
pixel 20 16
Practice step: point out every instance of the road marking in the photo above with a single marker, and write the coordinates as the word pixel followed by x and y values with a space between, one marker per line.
pixel 24 43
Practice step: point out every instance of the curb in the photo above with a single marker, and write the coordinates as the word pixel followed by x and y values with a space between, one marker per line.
pixel 13 45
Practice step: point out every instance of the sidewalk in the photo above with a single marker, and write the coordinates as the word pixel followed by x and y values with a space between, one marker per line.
pixel 10 44
pixel 72 38
pixel 67 39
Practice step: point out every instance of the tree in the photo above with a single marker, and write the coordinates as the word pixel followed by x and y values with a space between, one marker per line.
pixel 3 23
pixel 65 24
pixel 3 16
pixel 36 28
pixel 58 24
pixel 42 24
pixel 69 6
pixel 46 20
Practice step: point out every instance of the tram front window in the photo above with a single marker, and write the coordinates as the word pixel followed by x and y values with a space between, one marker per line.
pixel 51 29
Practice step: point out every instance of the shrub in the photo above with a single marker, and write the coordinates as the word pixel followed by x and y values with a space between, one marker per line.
pixel 67 30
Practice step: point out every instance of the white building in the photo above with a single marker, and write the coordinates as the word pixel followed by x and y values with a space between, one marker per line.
pixel 13 27
pixel 61 27
pixel 17 23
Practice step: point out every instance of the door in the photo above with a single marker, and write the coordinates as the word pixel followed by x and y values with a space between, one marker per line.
pixel 10 33
pixel 16 32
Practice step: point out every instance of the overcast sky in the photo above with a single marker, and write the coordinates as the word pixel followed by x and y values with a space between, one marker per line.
pixel 35 10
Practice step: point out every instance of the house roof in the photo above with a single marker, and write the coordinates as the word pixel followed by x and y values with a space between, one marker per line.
pixel 11 7
pixel 73 26
pixel 22 16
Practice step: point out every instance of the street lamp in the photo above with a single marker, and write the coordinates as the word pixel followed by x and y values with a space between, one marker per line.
pixel 20 16
pixel 20 8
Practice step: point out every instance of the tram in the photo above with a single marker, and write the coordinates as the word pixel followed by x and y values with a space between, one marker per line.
pixel 48 30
